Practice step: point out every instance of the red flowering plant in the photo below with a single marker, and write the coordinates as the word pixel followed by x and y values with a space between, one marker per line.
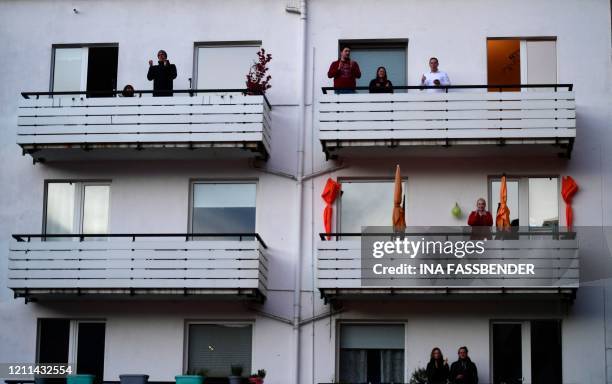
pixel 256 80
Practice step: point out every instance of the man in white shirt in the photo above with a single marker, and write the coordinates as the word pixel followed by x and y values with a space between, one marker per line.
pixel 435 77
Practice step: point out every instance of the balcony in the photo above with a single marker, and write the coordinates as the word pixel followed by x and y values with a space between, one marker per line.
pixel 233 266
pixel 539 118
pixel 342 274
pixel 193 124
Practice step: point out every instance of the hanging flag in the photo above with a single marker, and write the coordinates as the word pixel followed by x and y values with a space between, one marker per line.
pixel 330 193
pixel 399 205
pixel 568 190
pixel 502 220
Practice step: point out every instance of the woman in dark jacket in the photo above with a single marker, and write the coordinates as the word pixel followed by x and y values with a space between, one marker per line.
pixel 437 368
pixel 380 84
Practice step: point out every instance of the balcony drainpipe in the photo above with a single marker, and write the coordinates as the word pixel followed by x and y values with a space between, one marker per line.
pixel 297 288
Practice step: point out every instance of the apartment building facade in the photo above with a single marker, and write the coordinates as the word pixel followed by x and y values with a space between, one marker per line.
pixel 161 235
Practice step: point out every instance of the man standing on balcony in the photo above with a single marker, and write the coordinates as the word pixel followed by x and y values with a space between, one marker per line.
pixel 463 371
pixel 162 75
pixel 345 72
pixel 435 78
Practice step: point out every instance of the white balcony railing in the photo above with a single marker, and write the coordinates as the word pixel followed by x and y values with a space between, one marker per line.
pixel 341 272
pixel 74 127
pixel 154 265
pixel 461 116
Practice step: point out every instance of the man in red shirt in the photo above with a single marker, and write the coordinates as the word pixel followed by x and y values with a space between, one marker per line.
pixel 345 72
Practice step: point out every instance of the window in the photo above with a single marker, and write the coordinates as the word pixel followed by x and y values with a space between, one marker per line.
pixel 220 207
pixel 80 341
pixel 216 347
pixel 76 207
pixel 533 201
pixel 526 351
pixel 371 353
pixel 373 54
pixel 224 66
pixel 521 61
pixel 365 203
pixel 85 68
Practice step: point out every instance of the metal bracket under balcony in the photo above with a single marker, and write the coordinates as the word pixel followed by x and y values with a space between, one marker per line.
pixel 539 119
pixel 192 124
pixel 225 266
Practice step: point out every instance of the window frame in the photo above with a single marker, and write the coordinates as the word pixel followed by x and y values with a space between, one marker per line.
pixel 193 182
pixel 216 44
pixel 338 326
pixel 523 40
pixel 378 43
pixel 362 179
pixel 222 322
pixel 79 201
pixel 523 189
pixel 526 324
pixel 54 47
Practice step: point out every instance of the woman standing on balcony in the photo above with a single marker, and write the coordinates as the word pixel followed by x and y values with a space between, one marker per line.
pixel 481 221
pixel 437 368
pixel 381 84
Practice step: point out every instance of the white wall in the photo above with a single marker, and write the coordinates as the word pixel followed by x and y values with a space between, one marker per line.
pixel 152 196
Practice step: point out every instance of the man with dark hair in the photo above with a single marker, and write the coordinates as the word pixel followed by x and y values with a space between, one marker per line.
pixel 162 75
pixel 345 72
pixel 463 371
pixel 435 77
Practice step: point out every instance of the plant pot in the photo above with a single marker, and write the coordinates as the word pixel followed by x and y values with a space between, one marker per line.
pixel 234 379
pixel 189 379
pixel 134 379
pixel 256 380
pixel 80 379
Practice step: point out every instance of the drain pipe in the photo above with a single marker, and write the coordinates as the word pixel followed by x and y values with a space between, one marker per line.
pixel 297 288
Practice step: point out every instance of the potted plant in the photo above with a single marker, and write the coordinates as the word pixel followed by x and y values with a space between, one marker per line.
pixel 419 376
pixel 257 378
pixel 191 377
pixel 256 80
pixel 236 376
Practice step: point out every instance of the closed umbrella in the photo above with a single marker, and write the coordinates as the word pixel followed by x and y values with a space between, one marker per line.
pixel 568 190
pixel 330 193
pixel 399 212
pixel 503 212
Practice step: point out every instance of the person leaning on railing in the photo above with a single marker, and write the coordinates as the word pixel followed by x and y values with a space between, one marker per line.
pixel 162 75
pixel 381 84
pixel 481 221
pixel 345 72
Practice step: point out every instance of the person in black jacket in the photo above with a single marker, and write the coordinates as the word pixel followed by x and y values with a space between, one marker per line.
pixel 463 371
pixel 380 84
pixel 437 368
pixel 162 75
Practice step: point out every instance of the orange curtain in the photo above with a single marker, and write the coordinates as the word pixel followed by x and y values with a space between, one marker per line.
pixel 330 193
pixel 399 211
pixel 503 213
pixel 568 190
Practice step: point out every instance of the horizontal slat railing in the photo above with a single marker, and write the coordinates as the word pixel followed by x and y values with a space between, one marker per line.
pixel 127 261
pixel 196 118
pixel 554 256
pixel 548 113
